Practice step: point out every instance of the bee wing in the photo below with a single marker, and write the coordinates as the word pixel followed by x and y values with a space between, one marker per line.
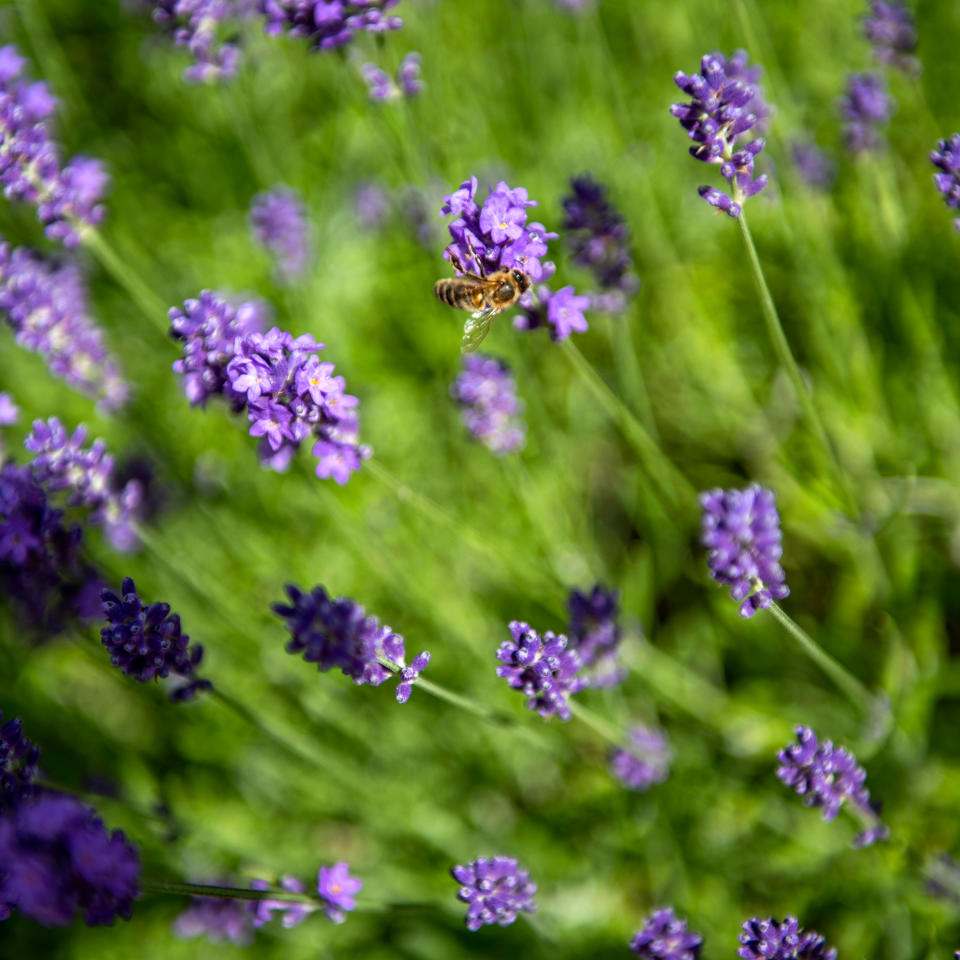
pixel 475 330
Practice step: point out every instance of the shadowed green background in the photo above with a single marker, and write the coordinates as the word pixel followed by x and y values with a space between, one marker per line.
pixel 867 282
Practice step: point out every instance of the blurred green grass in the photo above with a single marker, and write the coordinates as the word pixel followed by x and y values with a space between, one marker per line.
pixel 867 283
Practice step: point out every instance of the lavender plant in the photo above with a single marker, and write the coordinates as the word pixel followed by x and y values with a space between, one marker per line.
pixel 866 107
pixel 491 412
pixel 666 937
pixel 383 87
pixel 891 30
pixel 946 158
pixel 279 223
pixel 645 761
pixel 329 24
pixel 495 891
pixel 786 940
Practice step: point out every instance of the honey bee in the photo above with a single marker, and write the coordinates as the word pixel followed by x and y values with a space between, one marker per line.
pixel 485 294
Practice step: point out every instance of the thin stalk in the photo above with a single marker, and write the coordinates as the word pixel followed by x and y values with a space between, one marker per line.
pixel 228 893
pixel 597 724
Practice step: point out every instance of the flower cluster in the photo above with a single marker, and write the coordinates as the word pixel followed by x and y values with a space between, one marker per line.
pixel 741 531
pixel 329 24
pixel 146 642
pixel 827 777
pixel 599 238
pixel 561 311
pixel 495 890
pixel 665 937
pixel 770 940
pixel 67 198
pixel 18 764
pixel 891 30
pixel 382 85
pixel 946 158
pixel 339 634
pixel 814 166
pixel 216 918
pixel 46 306
pixel 594 632
pixel 545 669
pixel 865 106
pixel 488 395
pixel 57 858
pixel 726 103
pixel 289 395
pixel 645 761
pixel 194 25
pixel 60 462
pixel 279 223
pixel 292 912
pixel 42 570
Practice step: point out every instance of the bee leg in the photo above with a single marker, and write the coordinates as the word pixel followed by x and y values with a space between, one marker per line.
pixel 457 265
pixel 473 253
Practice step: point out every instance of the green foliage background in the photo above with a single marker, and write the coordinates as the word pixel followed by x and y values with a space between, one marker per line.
pixel 867 281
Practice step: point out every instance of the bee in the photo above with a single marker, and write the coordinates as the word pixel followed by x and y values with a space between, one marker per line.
pixel 485 294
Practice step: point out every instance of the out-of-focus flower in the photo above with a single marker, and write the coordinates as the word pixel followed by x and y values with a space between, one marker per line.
pixel 196 26
pixel 946 158
pixel 594 632
pixel 491 411
pixel 329 24
pixel 665 937
pixel 645 761
pixel 18 765
pixel 9 412
pixel 770 940
pixel 866 106
pixel 741 531
pixel 218 919
pixel 372 205
pixel 495 891
pixel 279 222
pixel 338 889
pixel 383 87
pixel 891 30
pixel 816 169
pixel 292 912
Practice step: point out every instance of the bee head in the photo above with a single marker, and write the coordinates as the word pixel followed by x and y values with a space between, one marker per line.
pixel 520 279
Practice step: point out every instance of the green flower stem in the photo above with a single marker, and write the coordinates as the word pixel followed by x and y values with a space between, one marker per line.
pixel 227 893
pixel 597 724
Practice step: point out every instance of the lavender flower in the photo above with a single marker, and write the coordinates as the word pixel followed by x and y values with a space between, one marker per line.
pixel 946 158
pixel 544 669
pixel 194 25
pixel 46 306
pixel 279 224
pixel 770 940
pixel 146 641
pixel 645 762
pixel 18 764
pixel 741 531
pixel 9 412
pixel 371 205
pixel 328 24
pixel 726 103
pixel 665 937
pixel 560 311
pixel 338 633
pixel 338 889
pixel 827 777
pixel 891 30
pixel 292 911
pixel 491 411
pixel 865 106
pixel 594 632
pixel 382 85
pixel 56 858
pixel 288 394
pixel 218 919
pixel 814 166
pixel 599 239
pixel 495 890
pixel 67 198
pixel 61 462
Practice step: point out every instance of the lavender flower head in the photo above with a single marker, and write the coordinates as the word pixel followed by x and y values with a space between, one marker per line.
pixel 594 632
pixel 946 158
pixel 866 106
pixel 665 937
pixel 328 24
pixel 279 223
pixel 194 25
pixel 218 919
pixel 339 634
pixel 560 311
pixel 770 940
pixel 383 87
pixel 741 531
pixel 488 395
pixel 292 912
pixel 645 761
pixel 891 30
pixel 18 764
pixel 726 103
pixel 338 889
pixel 495 891
pixel 9 412
pixel 827 777
pixel 68 197
pixel 146 642
pixel 288 394
pixel 599 238
pixel 57 859
pixel 371 205
pixel 814 166
pixel 545 669
pixel 47 308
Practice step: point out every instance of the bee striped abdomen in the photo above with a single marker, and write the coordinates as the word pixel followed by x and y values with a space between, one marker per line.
pixel 458 293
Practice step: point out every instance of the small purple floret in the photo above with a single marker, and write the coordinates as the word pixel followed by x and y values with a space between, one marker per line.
pixel 495 891
pixel 328 24
pixel 491 412
pixel 338 889
pixel 770 940
pixel 645 761
pixel 218 919
pixel 665 937
pixel 291 912
pixel 560 311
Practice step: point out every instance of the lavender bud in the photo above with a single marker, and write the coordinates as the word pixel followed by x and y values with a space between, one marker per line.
pixel 665 937
pixel 946 158
pixel 495 891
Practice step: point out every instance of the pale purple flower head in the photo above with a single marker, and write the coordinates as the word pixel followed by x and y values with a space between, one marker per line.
pixel 47 307
pixel 827 777
pixel 891 30
pixel 665 937
pixel 372 205
pixel 645 761
pixel 560 311
pixel 495 891
pixel 491 411
pixel 337 633
pixel 726 104
pixel 146 642
pixel 384 87
pixel 57 859
pixel 9 411
pixel 816 169
pixel 866 106
pixel 784 940
pixel 741 531
pixel 18 764
pixel 291 912
pixel 338 889
pixel 279 223
pixel 544 668
pixel 218 919
pixel 594 632
pixel 197 26
pixel 408 75
pixel 329 24
pixel 946 158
